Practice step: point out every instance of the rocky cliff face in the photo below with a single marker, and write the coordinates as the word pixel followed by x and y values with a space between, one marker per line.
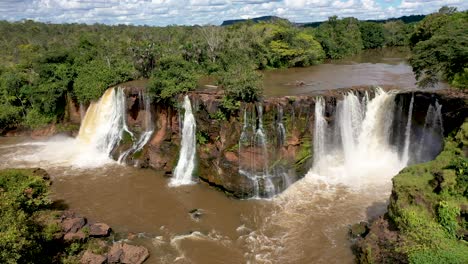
pixel 261 148
pixel 231 155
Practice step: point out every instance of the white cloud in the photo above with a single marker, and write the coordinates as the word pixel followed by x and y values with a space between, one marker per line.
pixel 164 12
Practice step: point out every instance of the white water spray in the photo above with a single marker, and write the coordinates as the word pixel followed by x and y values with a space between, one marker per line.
pixel 183 172
pixel 100 132
pixel 104 121
pixel 365 151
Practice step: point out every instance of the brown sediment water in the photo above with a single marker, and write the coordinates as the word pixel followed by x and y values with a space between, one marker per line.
pixel 384 67
pixel 308 223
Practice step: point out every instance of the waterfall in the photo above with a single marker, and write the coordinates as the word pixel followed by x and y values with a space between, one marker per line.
pixel 364 149
pixel 104 122
pixel 253 156
pixel 320 127
pixel 186 165
pixel 145 136
pixel 281 131
pixel 350 116
pixel 405 157
pixel 261 143
pixel 432 136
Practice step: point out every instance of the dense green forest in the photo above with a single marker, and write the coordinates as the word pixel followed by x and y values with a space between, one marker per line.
pixel 43 64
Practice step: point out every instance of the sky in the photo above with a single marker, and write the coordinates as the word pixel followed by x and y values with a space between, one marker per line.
pixel 214 12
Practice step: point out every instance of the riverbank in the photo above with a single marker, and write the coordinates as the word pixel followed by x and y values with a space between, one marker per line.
pixel 37 229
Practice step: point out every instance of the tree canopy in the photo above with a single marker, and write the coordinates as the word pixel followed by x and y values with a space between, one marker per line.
pixel 440 49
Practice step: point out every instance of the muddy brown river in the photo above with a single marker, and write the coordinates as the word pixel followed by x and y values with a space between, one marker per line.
pixel 307 223
pixel 384 67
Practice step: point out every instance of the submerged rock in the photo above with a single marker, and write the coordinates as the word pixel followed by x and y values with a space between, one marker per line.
pixel 196 214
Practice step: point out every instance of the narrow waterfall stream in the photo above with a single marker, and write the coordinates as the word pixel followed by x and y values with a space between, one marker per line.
pixel 405 156
pixel 433 131
pixel 183 172
pixel 145 136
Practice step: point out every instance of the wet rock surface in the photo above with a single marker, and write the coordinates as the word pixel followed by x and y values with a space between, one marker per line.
pixel 221 155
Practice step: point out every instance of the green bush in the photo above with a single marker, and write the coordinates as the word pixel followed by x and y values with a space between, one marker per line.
pixel 240 83
pixel 21 194
pixel 460 166
pixel 172 76
pixel 9 115
pixel 35 119
pixel 447 217
pixel 95 77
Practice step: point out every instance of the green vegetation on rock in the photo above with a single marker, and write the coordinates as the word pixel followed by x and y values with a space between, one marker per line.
pixel 429 209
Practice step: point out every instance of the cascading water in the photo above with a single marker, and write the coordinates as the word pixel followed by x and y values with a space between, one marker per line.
pixel 356 163
pixel 148 129
pixel 183 172
pixel 364 147
pixel 246 162
pixel 100 132
pixel 281 131
pixel 405 157
pixel 104 121
pixel 319 131
pixel 432 134
pixel 253 155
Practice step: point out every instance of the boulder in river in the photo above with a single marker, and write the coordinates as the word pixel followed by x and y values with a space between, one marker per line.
pixel 73 224
pixel 128 254
pixel 99 230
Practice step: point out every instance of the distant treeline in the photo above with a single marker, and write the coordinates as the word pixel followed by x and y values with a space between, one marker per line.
pixel 43 64
pixel 404 19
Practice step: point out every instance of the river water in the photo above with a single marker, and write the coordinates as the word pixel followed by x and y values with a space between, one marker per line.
pixel 307 223
pixel 384 67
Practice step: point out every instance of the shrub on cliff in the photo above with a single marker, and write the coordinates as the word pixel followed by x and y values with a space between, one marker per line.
pixel 241 83
pixel 172 76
